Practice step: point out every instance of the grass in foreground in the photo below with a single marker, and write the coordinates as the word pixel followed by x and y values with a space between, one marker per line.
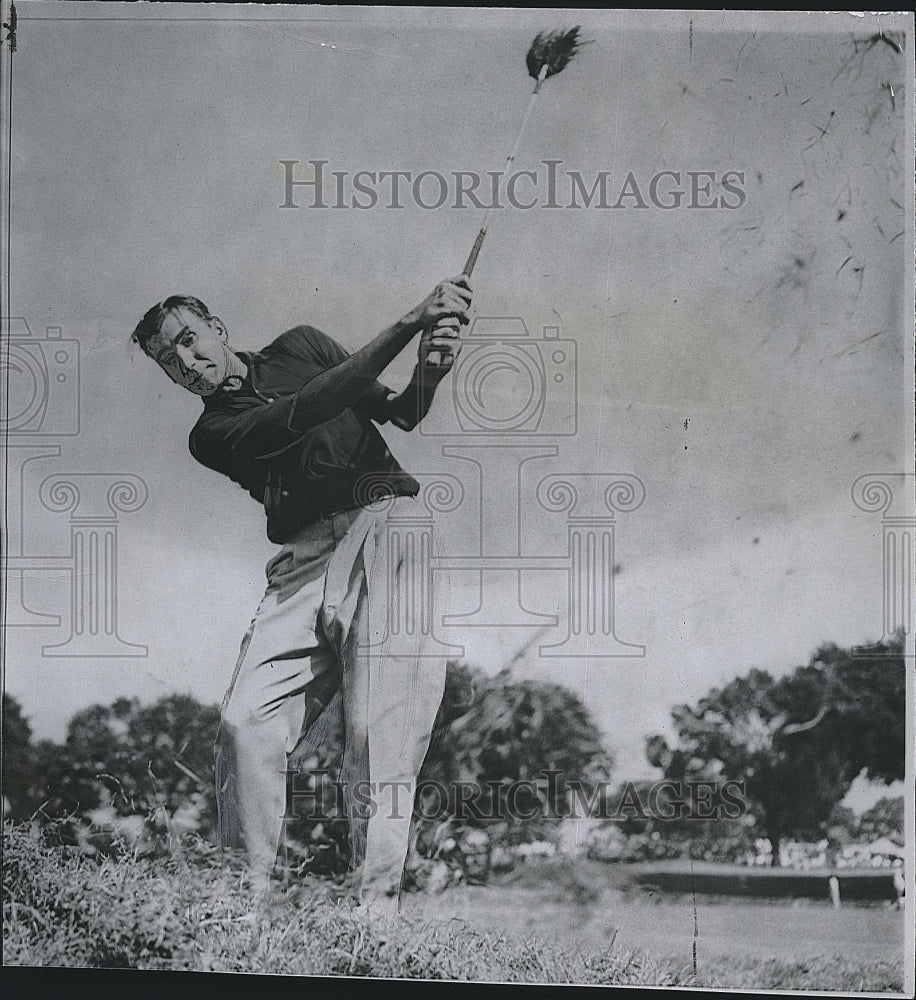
pixel 192 911
pixel 823 973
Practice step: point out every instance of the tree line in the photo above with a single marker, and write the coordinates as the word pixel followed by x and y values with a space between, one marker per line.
pixel 796 743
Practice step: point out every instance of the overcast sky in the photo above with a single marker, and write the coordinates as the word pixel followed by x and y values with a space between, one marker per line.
pixel 747 365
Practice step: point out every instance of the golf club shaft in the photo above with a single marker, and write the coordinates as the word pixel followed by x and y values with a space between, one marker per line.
pixel 482 233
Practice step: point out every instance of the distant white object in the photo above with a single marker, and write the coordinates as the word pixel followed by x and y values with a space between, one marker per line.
pixel 535 849
pixel 834 883
pixel 885 846
pixel 899 887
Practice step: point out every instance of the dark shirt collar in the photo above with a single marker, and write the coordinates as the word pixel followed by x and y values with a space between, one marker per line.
pixel 235 383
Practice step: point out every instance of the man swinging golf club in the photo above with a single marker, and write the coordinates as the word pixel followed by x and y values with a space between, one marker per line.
pixel 294 425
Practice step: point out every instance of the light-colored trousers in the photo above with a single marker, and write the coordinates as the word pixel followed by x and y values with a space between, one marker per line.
pixel 325 610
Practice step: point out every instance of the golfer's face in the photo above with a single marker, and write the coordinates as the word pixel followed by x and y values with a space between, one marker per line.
pixel 191 351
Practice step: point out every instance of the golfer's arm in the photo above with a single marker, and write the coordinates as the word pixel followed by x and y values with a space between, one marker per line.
pixel 408 408
pixel 335 389
pixel 264 432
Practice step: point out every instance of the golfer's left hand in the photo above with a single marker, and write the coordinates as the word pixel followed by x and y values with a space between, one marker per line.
pixel 439 348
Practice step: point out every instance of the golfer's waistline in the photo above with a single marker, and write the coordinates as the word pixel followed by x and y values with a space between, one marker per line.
pixel 285 524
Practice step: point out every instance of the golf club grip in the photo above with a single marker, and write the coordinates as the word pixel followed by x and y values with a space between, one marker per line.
pixel 468 269
pixel 475 252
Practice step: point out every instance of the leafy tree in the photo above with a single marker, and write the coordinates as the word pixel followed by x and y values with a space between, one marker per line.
pixel 842 825
pixel 137 760
pixel 884 819
pixel 18 760
pixel 863 699
pixel 514 731
pixel 798 742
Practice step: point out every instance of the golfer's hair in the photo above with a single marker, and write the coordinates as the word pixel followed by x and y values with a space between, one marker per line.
pixel 151 324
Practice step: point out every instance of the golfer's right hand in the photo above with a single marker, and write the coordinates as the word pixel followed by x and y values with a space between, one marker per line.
pixel 449 299
pixel 438 350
